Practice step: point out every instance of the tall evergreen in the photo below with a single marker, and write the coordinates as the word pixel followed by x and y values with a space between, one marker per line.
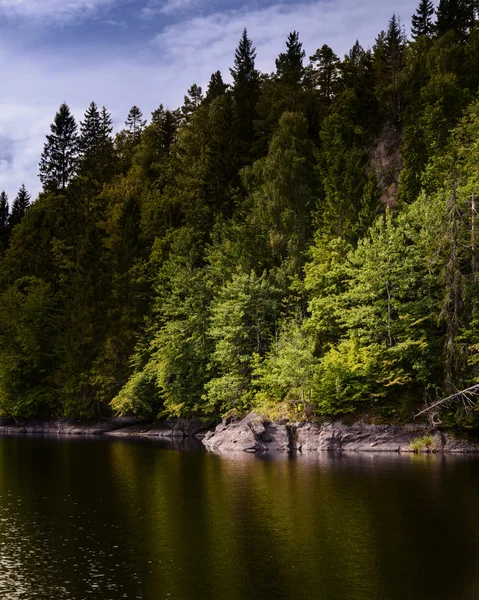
pixel 135 124
pixel 4 218
pixel 90 132
pixel 325 72
pixel 289 64
pixel 422 24
pixel 246 88
pixel 19 207
pixel 389 57
pixel 216 87
pixel 455 15
pixel 96 145
pixel 59 160
pixel 192 101
pixel 166 123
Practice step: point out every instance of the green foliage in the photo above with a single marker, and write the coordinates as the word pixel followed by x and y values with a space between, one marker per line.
pixel 244 319
pixel 419 444
pixel 59 160
pixel 287 373
pixel 301 243
pixel 28 323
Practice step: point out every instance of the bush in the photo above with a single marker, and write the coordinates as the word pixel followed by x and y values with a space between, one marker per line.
pixel 424 443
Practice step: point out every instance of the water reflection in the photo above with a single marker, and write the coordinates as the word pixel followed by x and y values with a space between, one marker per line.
pixel 109 519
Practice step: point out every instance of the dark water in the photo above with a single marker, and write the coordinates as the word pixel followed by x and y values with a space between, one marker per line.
pixel 108 519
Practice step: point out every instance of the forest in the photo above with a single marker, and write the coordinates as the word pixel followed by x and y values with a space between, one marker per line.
pixel 303 243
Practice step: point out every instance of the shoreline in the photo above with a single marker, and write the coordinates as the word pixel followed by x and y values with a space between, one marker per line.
pixel 252 434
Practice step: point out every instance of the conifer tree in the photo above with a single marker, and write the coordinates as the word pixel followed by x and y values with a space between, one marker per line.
pixel 90 132
pixel 192 101
pixel 422 24
pixel 59 160
pixel 135 124
pixel 216 87
pixel 96 144
pixel 246 87
pixel 166 123
pixel 289 64
pixel 455 15
pixel 19 207
pixel 389 53
pixel 106 139
pixel 4 214
pixel 326 72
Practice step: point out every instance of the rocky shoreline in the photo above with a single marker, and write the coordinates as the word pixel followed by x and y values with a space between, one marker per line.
pixel 253 434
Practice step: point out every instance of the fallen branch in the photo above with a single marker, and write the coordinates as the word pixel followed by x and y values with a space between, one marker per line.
pixel 469 397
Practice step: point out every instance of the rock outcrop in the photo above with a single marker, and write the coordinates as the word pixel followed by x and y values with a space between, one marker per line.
pixel 253 434
pixel 256 435
pixel 173 428
pixel 250 434
pixel 117 426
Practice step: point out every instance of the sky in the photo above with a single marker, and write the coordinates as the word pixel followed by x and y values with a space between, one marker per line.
pixel 145 52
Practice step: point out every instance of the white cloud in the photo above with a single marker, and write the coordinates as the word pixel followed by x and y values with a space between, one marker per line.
pixel 212 38
pixel 59 11
pixel 171 7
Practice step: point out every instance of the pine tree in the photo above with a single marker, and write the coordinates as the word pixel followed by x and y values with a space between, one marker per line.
pixel 281 205
pixel 216 87
pixel 325 72
pixel 19 207
pixel 59 160
pixel 90 132
pixel 192 101
pixel 422 24
pixel 135 124
pixel 389 57
pixel 166 124
pixel 246 87
pixel 289 64
pixel 96 145
pixel 455 15
pixel 107 153
pixel 4 218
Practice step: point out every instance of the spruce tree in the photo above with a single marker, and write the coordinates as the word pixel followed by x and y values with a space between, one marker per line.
pixel 165 123
pixel 216 87
pixel 19 207
pixel 192 101
pixel 96 144
pixel 90 132
pixel 59 160
pixel 135 123
pixel 289 64
pixel 455 15
pixel 422 24
pixel 326 72
pixel 389 59
pixel 246 87
pixel 4 214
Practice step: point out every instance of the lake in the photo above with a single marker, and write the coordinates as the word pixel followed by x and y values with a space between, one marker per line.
pixel 110 519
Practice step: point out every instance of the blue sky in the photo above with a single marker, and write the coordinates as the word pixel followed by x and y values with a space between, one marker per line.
pixel 145 52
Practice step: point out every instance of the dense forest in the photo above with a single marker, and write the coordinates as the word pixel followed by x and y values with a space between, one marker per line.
pixel 302 243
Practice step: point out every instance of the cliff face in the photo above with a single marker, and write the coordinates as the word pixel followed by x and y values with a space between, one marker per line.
pixel 252 434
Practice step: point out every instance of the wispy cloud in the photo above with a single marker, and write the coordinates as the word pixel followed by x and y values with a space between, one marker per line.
pixel 114 23
pixel 211 39
pixel 170 7
pixel 59 11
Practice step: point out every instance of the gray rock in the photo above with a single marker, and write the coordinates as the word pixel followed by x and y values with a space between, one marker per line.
pixel 252 434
